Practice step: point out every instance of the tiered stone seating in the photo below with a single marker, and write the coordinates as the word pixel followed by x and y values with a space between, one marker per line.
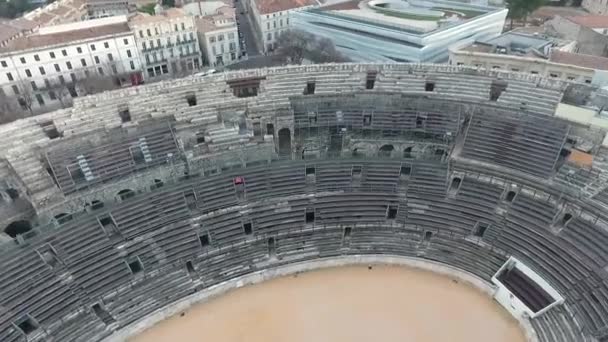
pixel 478 188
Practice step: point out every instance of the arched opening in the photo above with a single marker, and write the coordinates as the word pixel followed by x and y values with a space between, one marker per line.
pixel 510 196
pixel 386 150
pixel 454 186
pixel 18 228
pixel 12 193
pixel 285 142
pixel 566 218
pixel 126 193
pixel 356 152
pixel 407 152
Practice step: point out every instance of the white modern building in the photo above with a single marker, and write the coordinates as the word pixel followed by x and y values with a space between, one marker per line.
pixel 167 43
pixel 272 17
pixel 389 31
pixel 218 37
pixel 47 69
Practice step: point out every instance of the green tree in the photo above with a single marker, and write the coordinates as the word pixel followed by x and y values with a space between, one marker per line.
pixel 520 9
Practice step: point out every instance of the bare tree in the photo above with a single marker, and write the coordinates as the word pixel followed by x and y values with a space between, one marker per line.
pixel 101 80
pixel 293 46
pixel 26 96
pixel 9 109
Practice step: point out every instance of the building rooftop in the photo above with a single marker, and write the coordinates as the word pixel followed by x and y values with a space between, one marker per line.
pixel 224 18
pixel 272 6
pixel 66 37
pixel 512 43
pixel 590 21
pixel 169 13
pixel 579 59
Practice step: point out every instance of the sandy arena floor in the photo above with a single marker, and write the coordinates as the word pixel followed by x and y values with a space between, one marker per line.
pixel 347 304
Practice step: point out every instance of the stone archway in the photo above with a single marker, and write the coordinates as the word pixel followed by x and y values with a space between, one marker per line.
pixel 18 228
pixel 285 142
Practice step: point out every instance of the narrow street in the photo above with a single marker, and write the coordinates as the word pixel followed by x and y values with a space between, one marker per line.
pixel 247 29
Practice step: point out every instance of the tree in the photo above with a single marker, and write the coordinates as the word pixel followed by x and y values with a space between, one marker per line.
pixel 293 46
pixel 520 9
pixel 9 109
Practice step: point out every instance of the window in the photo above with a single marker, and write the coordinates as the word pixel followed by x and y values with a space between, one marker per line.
pixel 83 62
pixel 367 120
pixel 183 27
pixel 204 239
pixel 37 58
pixel 135 266
pixel 69 65
pixel 42 71
pixel 106 45
pixel 47 83
pixel 534 72
pixel 231 35
pixel 40 99
pixel 9 76
pixel 52 95
pixel 34 86
pixel 310 88
pixel 96 59
pixel 269 36
pixel 3 63
pixel 132 65
pixel 129 53
pixel 281 22
pixel 126 41
pixel 310 216
pixel 73 77
pixel 211 39
pixel 110 57
pixel 149 33
pixel 247 228
pixel 165 69
pixel 143 45
pixel 220 38
pixel 274 24
pixel 79 49
pixel 391 212
pixel 515 69
pixel 268 25
pixel 480 229
pixel 588 81
pixel 496 67
pixel 52 54
pixel 175 27
pixel 15 89
pixel 27 324
pixel 57 68
pixel 158 44
pixel 22 59
pixel 553 75
pixel 100 70
pixel 92 47
pixel 61 79
pixel 141 33
pixel 114 70
pixel 156 30
pixel 64 52
pixel 191 99
pixel 147 58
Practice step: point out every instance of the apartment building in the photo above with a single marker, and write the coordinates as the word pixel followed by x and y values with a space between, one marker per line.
pixel 218 37
pixel 47 69
pixel 167 43
pixel 271 18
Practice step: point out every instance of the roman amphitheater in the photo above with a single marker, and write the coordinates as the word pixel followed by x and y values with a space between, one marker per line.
pixel 124 209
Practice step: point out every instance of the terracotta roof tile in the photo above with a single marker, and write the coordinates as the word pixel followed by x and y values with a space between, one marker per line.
pixel 37 41
pixel 591 21
pixel 579 59
pixel 271 6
